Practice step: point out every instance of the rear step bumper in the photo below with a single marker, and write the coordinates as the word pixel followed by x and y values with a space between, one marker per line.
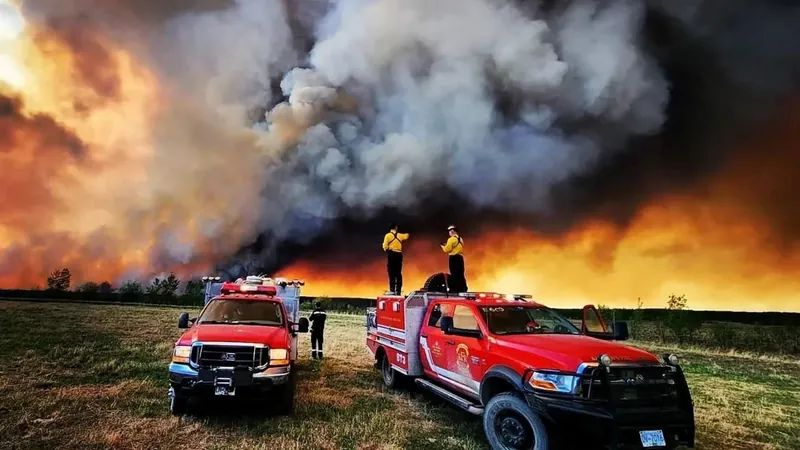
pixel 455 399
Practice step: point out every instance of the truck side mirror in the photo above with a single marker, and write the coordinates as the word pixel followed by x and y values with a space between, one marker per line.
pixel 621 331
pixel 183 320
pixel 301 326
pixel 446 323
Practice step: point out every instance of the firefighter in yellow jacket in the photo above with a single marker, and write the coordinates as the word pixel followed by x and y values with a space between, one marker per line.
pixel 454 247
pixel 393 246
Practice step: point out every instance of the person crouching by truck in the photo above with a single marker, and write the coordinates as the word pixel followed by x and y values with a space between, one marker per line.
pixel 454 247
pixel 317 319
pixel 393 246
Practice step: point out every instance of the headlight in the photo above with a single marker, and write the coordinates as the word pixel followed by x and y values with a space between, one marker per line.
pixel 553 382
pixel 278 353
pixel 278 357
pixel 181 353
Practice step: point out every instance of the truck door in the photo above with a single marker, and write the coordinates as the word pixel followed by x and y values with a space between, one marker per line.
pixel 466 356
pixel 592 321
pixel 432 340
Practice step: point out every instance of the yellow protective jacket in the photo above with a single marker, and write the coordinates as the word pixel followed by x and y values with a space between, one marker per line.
pixel 454 245
pixel 394 241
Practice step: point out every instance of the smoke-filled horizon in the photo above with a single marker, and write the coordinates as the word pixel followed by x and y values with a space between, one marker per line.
pixel 242 135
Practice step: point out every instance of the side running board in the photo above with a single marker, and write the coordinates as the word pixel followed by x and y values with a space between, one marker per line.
pixel 455 399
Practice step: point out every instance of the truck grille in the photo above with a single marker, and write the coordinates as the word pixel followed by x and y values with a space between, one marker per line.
pixel 229 355
pixel 634 386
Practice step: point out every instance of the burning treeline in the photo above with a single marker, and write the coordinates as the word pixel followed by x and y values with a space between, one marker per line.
pixel 138 139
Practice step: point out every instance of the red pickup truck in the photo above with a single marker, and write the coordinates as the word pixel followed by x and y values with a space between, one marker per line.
pixel 537 379
pixel 242 344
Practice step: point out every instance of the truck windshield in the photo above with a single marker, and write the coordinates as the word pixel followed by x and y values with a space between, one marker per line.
pixel 526 320
pixel 245 312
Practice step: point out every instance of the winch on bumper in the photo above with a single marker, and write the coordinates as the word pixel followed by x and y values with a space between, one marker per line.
pixel 232 370
pixel 190 382
pixel 652 409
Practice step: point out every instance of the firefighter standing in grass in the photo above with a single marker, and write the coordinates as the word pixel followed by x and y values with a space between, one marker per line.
pixel 454 247
pixel 317 319
pixel 393 246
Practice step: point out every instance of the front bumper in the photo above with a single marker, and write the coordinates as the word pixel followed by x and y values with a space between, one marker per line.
pixel 608 423
pixel 603 427
pixel 188 382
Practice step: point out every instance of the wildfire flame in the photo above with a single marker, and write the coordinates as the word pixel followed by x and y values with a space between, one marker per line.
pixel 83 185
pixel 716 243
pixel 85 122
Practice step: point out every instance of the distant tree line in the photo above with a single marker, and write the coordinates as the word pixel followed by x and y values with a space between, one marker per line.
pixel 769 332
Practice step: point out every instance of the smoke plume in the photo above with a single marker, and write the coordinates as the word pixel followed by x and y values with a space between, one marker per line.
pixel 246 134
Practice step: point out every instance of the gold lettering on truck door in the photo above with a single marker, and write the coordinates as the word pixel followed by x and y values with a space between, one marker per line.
pixel 436 350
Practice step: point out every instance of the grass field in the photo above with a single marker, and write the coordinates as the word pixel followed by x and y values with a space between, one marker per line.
pixel 91 376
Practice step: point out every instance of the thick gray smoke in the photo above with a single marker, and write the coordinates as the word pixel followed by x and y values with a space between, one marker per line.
pixel 396 98
pixel 400 97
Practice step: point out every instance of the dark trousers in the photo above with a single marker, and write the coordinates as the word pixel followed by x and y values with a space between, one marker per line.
pixel 316 344
pixel 394 265
pixel 457 280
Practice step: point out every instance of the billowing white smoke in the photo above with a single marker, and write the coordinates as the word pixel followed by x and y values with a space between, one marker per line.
pixel 425 76
pixel 396 98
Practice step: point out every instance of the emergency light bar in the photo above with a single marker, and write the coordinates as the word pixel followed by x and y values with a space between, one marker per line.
pixel 235 288
pixel 494 296
pixel 263 280
pixel 211 279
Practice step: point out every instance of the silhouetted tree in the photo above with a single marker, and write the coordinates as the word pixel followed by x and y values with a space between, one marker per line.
pixel 131 288
pixel 90 287
pixel 59 280
pixel 167 287
pixel 194 288
pixel 105 288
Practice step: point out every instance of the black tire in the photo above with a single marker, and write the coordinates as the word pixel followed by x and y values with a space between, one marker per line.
pixel 391 377
pixel 285 399
pixel 178 406
pixel 436 282
pixel 509 424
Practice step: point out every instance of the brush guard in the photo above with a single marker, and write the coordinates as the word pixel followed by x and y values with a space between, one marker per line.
pixel 609 417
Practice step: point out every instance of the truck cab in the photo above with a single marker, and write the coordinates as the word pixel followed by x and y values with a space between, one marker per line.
pixel 534 376
pixel 243 343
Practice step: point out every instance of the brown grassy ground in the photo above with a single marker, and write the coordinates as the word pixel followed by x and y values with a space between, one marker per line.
pixel 90 376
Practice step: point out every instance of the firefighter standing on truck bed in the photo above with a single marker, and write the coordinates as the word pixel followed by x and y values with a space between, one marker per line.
pixel 317 319
pixel 454 247
pixel 393 246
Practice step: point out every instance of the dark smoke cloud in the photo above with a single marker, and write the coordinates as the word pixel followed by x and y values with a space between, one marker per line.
pixel 482 112
pixel 732 68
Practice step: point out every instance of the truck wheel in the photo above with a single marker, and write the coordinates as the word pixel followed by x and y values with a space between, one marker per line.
pixel 391 378
pixel 178 405
pixel 286 395
pixel 510 424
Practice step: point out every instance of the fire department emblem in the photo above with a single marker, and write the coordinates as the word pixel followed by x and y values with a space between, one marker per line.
pixel 462 358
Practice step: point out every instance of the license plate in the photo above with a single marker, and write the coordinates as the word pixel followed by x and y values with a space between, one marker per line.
pixel 652 438
pixel 224 390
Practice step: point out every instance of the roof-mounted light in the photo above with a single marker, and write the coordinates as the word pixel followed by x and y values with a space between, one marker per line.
pixel 237 288
pixel 211 279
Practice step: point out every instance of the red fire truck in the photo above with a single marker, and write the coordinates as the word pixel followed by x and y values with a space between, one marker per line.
pixel 242 344
pixel 534 376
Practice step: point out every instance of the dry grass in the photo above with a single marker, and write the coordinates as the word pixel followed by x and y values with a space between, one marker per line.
pixel 90 376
